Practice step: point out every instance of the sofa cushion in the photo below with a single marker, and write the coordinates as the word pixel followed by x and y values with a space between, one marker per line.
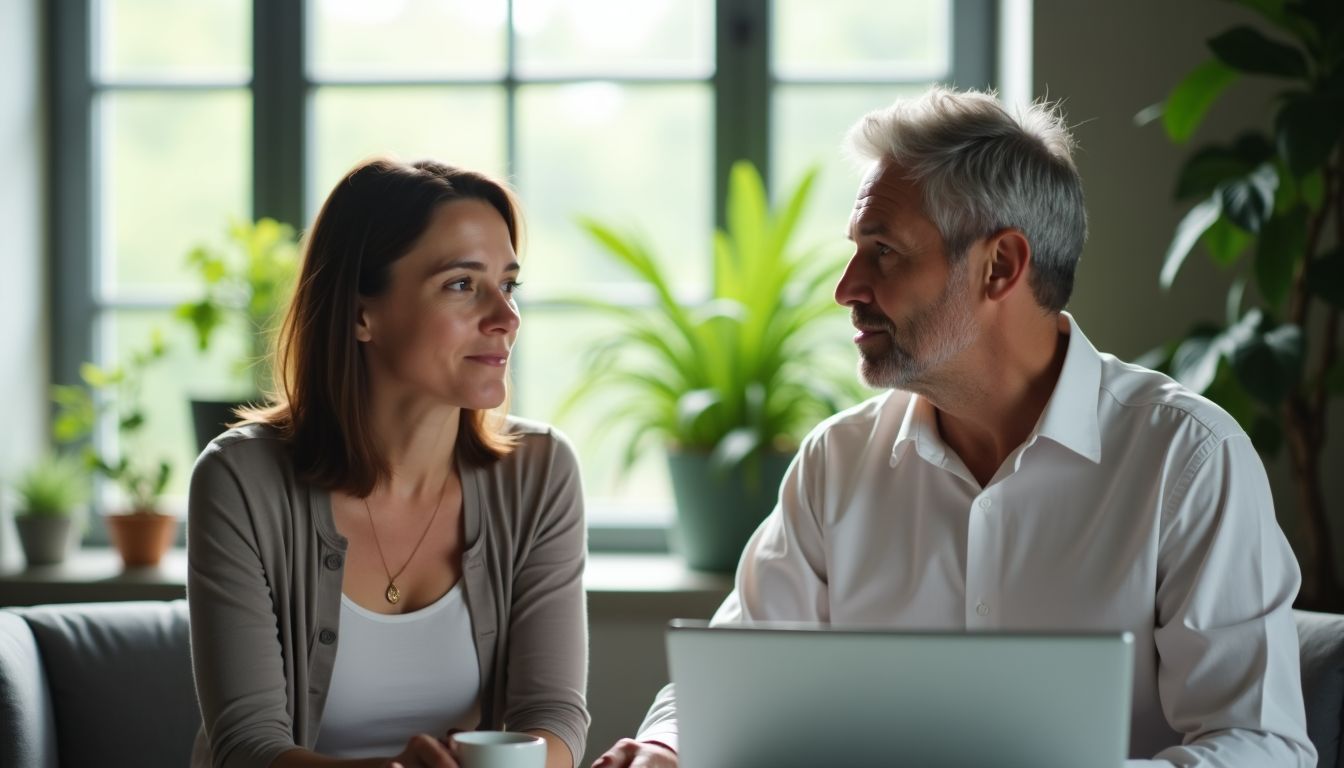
pixel 27 733
pixel 1321 639
pixel 120 681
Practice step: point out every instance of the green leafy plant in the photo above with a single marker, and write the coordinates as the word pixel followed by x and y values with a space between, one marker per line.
pixel 251 281
pixel 116 392
pixel 732 376
pixel 55 486
pixel 1264 206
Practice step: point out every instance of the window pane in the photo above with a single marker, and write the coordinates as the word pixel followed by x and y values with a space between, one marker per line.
pixel 550 359
pixel 169 384
pixel 862 39
pixel 170 39
pixel 176 167
pixel 461 126
pixel 615 37
pixel 409 39
pixel 810 122
pixel 631 156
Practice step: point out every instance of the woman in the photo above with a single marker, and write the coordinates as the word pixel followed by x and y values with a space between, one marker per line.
pixel 379 556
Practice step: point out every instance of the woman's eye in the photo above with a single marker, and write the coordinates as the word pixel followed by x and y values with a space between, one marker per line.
pixel 460 285
pixel 511 286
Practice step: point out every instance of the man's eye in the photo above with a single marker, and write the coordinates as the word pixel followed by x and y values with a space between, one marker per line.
pixel 883 250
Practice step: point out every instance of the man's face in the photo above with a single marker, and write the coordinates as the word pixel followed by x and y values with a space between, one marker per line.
pixel 913 311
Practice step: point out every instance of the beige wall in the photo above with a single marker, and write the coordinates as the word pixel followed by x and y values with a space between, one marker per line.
pixel 23 327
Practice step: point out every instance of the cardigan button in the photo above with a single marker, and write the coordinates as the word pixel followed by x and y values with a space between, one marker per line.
pixel 326 637
pixel 333 561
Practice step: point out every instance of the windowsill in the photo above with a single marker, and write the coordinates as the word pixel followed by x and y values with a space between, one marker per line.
pixel 95 574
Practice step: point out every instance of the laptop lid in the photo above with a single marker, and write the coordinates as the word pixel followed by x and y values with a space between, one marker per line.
pixel 786 695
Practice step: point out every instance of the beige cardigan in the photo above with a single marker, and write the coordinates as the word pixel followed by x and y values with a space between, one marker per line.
pixel 264 588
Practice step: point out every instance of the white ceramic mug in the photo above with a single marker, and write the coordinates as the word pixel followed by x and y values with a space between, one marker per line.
pixel 499 749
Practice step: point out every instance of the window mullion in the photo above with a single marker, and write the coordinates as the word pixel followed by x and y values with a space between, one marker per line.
pixel 73 167
pixel 279 106
pixel 741 91
pixel 974 43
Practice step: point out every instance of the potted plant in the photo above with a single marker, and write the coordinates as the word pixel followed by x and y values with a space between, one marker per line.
pixel 729 386
pixel 50 495
pixel 143 531
pixel 246 285
pixel 1265 205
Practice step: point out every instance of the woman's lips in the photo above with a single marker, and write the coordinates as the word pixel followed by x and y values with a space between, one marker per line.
pixel 498 361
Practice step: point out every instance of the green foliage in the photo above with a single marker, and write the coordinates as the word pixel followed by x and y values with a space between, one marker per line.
pixel 735 375
pixel 55 486
pixel 115 393
pixel 1271 193
pixel 253 279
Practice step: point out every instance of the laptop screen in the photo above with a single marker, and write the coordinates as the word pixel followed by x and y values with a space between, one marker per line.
pixel 783 695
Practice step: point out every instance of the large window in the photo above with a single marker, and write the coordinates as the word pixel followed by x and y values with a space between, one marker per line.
pixel 174 117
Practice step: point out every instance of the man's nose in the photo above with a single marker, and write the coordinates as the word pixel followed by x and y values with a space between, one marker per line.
pixel 853 287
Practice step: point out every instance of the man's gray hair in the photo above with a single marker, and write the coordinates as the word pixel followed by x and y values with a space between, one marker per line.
pixel 983 169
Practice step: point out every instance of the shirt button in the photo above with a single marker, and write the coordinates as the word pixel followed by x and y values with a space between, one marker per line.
pixel 986 503
pixel 326 637
pixel 332 561
pixel 982 609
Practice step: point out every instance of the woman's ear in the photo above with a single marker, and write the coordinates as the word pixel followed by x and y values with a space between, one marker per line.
pixel 1009 260
pixel 363 323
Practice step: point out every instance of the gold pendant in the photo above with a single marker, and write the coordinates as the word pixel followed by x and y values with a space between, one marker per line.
pixel 392 594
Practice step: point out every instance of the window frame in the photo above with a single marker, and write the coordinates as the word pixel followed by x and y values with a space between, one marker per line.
pixel 741 82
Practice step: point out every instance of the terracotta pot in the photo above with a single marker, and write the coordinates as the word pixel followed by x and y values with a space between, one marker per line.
pixel 141 537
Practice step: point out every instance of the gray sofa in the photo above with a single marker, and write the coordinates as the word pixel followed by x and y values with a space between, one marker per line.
pixel 109 684
pixel 96 684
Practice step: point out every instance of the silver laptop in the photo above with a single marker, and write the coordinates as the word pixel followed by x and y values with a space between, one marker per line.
pixel 778 696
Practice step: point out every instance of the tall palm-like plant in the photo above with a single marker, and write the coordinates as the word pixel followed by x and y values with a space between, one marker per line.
pixel 734 376
pixel 1275 194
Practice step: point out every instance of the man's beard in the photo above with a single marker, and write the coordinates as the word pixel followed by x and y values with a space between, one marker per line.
pixel 926 340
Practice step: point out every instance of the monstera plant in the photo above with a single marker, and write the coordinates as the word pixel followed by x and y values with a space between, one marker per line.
pixel 1270 205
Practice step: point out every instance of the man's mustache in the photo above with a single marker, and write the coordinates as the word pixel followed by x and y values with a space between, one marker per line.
pixel 866 319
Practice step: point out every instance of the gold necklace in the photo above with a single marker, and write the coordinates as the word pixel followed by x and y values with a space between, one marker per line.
pixel 392 593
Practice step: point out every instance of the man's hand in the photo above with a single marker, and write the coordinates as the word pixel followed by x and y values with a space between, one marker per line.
pixel 628 753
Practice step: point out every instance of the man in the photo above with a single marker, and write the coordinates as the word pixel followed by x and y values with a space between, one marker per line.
pixel 1013 478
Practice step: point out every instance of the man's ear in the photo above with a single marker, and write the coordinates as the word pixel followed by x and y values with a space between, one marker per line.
pixel 363 325
pixel 1008 262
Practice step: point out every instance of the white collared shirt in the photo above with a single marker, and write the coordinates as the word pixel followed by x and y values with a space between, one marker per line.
pixel 1133 505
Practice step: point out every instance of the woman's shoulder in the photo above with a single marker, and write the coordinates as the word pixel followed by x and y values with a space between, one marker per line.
pixel 541 456
pixel 536 440
pixel 251 449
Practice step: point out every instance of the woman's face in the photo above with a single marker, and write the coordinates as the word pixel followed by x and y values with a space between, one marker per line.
pixel 444 327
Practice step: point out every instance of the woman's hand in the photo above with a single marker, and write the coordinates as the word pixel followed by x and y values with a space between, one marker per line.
pixel 628 753
pixel 424 751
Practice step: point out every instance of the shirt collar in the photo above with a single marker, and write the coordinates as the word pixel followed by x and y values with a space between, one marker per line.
pixel 1069 419
pixel 919 427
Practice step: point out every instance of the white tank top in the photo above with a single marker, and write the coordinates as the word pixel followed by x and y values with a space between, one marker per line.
pixel 396 676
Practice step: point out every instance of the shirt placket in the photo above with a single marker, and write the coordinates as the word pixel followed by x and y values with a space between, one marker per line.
pixel 984 548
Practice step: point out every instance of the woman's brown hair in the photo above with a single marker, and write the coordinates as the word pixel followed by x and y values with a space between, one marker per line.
pixel 371 219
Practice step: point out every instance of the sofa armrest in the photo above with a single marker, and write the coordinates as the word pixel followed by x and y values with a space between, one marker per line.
pixel 119 676
pixel 1321 640
pixel 27 729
